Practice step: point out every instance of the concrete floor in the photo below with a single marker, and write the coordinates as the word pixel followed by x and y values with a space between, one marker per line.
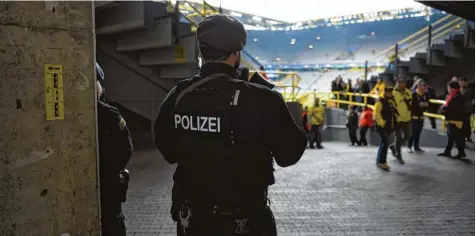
pixel 335 191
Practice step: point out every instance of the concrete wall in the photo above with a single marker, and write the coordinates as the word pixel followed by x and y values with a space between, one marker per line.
pixel 48 168
pixel 336 131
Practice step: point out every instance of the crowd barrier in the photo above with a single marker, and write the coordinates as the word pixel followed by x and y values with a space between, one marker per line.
pixel 335 99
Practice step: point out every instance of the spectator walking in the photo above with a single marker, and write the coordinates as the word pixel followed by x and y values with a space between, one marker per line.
pixel 353 125
pixel 366 122
pixel 317 120
pixel 418 107
pixel 468 95
pixel 454 115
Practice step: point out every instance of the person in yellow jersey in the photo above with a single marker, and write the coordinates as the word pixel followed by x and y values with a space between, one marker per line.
pixel 403 99
pixel 379 88
pixel 317 120
pixel 385 116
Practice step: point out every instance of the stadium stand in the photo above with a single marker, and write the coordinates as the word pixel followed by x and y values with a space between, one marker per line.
pixel 332 44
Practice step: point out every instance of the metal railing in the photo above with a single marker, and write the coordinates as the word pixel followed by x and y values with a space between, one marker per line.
pixel 288 85
pixel 336 99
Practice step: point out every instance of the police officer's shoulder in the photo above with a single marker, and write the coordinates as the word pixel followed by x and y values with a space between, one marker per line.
pixel 107 109
pixel 111 114
pixel 261 90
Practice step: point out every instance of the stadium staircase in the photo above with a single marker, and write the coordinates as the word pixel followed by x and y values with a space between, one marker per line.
pixel 144 49
pixel 451 40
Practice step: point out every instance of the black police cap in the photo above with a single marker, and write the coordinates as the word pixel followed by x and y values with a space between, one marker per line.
pixel 222 32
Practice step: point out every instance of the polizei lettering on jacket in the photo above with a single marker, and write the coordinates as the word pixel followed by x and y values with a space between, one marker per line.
pixel 198 123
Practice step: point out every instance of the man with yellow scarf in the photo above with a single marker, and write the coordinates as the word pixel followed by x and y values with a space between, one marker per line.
pixel 385 116
pixel 403 98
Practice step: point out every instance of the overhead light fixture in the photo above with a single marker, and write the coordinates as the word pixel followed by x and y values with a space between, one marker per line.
pixel 255 40
pixel 318 37
pixel 310 46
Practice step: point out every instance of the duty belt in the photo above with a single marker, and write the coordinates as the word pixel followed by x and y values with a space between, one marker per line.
pixel 418 117
pixel 241 216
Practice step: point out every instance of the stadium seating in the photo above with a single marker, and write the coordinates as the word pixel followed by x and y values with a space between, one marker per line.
pixel 334 44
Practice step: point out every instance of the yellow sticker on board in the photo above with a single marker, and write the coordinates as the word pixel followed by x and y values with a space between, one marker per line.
pixel 179 53
pixel 54 92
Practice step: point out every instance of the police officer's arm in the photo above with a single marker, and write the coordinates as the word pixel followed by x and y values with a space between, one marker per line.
pixel 378 114
pixel 286 140
pixel 164 128
pixel 121 139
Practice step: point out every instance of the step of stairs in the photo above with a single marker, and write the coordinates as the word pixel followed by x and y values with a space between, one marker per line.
pixel 157 35
pixel 183 53
pixel 127 16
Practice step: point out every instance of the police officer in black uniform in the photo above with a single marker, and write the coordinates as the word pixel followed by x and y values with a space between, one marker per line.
pixel 115 150
pixel 224 132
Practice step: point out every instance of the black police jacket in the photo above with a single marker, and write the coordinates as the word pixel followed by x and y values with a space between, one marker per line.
pixel 115 150
pixel 226 132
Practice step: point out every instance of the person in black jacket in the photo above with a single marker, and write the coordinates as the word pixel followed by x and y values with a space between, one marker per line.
pixel 115 150
pixel 468 95
pixel 353 125
pixel 432 108
pixel 224 134
pixel 419 104
pixel 454 112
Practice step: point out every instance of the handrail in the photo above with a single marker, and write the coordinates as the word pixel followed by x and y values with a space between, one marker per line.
pixel 349 95
pixel 446 28
pixel 411 45
pixel 435 37
pixel 412 36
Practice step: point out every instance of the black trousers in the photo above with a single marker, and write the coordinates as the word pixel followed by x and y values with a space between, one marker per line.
pixel 417 127
pixel 403 132
pixel 363 135
pixel 112 225
pixel 466 127
pixel 383 147
pixel 316 135
pixel 353 135
pixel 455 135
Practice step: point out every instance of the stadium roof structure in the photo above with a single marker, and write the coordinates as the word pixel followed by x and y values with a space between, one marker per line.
pixel 464 9
pixel 196 10
pixel 191 9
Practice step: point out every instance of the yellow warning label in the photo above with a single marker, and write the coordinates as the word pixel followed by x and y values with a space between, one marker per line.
pixel 179 53
pixel 54 92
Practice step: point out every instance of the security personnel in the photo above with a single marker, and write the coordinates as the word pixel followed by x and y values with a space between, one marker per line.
pixel 317 119
pixel 231 130
pixel 385 116
pixel 115 150
pixel 454 111
pixel 403 99
pixel 420 103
